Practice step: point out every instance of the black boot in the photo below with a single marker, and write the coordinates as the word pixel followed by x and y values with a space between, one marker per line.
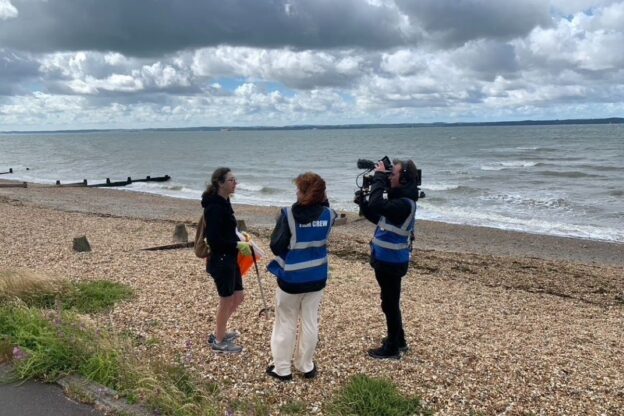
pixel 385 351
pixel 402 344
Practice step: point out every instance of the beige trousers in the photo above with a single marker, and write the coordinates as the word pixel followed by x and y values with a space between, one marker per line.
pixel 290 310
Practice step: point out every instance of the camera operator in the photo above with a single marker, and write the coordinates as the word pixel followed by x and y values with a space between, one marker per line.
pixel 392 244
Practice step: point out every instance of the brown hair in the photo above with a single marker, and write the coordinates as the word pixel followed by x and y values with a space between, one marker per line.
pixel 312 188
pixel 409 167
pixel 218 177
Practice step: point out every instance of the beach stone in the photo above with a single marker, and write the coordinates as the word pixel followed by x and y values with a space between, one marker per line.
pixel 180 235
pixel 81 244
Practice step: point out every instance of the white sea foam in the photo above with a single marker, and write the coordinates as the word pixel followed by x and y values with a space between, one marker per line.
pixel 484 218
pixel 439 187
pixel 249 187
pixel 508 165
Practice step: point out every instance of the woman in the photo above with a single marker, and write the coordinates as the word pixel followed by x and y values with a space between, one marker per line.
pixel 224 248
pixel 299 241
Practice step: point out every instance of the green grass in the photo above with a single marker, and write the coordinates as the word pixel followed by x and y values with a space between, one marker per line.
pixel 293 408
pixel 54 344
pixel 84 297
pixel 366 396
pixel 47 355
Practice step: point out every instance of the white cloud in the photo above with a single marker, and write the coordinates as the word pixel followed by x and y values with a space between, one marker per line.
pixel 295 69
pixel 164 76
pixel 7 10
pixel 581 43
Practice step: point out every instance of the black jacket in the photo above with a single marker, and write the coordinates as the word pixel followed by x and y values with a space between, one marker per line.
pixel 395 209
pixel 220 225
pixel 280 238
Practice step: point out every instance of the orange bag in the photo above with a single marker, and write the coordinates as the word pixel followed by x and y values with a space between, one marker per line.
pixel 245 263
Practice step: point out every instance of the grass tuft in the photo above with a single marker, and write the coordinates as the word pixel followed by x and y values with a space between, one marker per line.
pixel 23 284
pixel 366 396
pixel 92 297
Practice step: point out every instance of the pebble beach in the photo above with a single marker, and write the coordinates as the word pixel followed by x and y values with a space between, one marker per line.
pixel 498 322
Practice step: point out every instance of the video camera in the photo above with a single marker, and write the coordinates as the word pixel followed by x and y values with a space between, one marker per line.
pixel 367 179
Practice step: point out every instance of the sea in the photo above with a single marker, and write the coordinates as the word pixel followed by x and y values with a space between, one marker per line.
pixel 564 180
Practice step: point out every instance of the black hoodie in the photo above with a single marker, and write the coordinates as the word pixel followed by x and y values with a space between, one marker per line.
pixel 220 224
pixel 280 239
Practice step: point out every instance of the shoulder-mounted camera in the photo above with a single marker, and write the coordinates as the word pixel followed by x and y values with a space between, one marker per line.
pixel 366 181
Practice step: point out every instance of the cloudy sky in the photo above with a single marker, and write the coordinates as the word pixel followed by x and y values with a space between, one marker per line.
pixel 75 64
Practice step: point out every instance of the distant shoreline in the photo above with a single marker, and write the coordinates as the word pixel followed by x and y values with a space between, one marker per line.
pixel 610 120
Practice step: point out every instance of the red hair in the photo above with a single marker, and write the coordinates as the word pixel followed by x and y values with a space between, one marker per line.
pixel 312 188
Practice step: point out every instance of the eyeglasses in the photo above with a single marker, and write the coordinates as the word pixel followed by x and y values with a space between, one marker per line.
pixel 231 180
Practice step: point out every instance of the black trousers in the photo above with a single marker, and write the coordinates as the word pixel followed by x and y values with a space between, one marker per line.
pixel 389 280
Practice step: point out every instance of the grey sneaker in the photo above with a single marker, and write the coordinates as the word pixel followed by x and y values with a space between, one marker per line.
pixel 226 347
pixel 229 337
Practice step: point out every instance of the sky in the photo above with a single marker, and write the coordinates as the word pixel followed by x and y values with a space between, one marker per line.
pixel 94 64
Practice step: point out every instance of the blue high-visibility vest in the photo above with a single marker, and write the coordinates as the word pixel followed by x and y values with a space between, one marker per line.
pixel 306 259
pixel 392 244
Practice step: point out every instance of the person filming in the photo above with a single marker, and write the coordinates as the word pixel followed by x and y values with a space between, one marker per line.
pixel 391 245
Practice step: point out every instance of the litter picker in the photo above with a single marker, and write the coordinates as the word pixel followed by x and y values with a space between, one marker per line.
pixel 266 311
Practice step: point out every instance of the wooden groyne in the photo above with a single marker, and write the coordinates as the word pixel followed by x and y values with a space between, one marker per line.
pixel 84 182
pixel 110 183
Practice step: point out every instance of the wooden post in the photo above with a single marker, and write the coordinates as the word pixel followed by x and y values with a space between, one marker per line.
pixel 240 224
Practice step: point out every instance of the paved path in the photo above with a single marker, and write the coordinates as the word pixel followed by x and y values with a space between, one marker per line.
pixel 38 399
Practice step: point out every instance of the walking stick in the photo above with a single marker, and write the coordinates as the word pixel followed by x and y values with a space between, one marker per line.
pixel 265 310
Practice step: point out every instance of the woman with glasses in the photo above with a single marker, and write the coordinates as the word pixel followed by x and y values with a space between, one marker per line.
pixel 224 248
pixel 299 241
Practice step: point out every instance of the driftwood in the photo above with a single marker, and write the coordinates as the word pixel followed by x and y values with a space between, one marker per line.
pixel 14 185
pixel 170 246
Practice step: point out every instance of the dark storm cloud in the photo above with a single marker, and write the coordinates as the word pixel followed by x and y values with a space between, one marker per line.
pixel 154 27
pixel 489 59
pixel 452 22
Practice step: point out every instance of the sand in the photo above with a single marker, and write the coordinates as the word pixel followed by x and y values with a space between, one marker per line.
pixel 497 322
